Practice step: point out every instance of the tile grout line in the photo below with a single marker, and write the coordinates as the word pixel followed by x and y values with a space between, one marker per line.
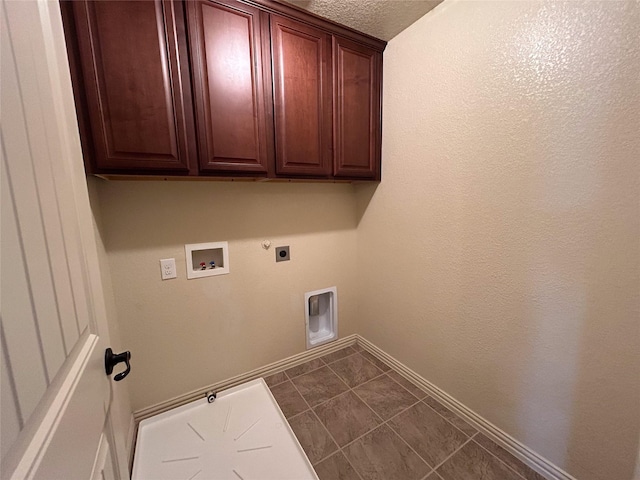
pixel 340 378
pixel 446 458
pixel 410 447
pixel 349 462
pixel 315 369
pixel 449 421
pixel 297 414
pixel 329 399
pixel 471 437
pixel 338 359
pixel 314 414
pixel 429 474
pixel 289 377
pixel 351 389
pixel 422 398
pixel 500 460
pixel 319 404
pixel 383 422
pixel 372 429
pixel 389 368
pixel 303 399
pixel 337 445
pixel 286 379
pixel 300 393
pixel 387 422
pixel 433 472
pixel 454 452
pixel 326 429
pixel 304 373
pixel 402 438
pixel 365 403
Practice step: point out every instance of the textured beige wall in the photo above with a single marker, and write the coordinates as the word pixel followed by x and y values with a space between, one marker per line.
pixel 499 257
pixel 186 334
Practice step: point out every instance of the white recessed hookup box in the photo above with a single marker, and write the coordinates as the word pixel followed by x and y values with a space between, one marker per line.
pixel 207 259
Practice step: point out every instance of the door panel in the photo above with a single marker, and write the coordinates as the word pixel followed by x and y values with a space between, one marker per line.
pixel 33 362
pixel 302 96
pixel 229 86
pixel 10 417
pixel 27 377
pixel 77 414
pixel 52 333
pixel 357 110
pixel 140 116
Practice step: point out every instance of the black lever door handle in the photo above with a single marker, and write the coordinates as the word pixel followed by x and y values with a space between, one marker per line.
pixel 112 359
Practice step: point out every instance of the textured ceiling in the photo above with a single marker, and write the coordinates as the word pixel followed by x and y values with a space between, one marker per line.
pixel 382 19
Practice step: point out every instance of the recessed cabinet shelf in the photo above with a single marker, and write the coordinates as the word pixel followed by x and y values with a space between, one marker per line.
pixel 207 259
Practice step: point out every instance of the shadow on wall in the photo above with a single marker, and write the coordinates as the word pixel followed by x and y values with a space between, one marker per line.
pixel 364 194
pixel 511 202
pixel 606 390
pixel 584 280
pixel 159 213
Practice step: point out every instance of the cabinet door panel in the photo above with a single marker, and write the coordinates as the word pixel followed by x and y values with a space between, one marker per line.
pixel 302 91
pixel 226 41
pixel 135 71
pixel 357 110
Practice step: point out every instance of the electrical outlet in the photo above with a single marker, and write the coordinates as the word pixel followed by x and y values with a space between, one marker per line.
pixel 168 268
pixel 282 254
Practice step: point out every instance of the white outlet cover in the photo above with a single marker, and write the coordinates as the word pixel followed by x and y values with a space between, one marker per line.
pixel 168 268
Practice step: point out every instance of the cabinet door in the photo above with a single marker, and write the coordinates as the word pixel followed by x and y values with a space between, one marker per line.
pixel 229 84
pixel 134 63
pixel 302 98
pixel 357 110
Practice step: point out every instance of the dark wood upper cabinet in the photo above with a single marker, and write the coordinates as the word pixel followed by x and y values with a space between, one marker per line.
pixel 135 74
pixel 223 88
pixel 231 86
pixel 357 121
pixel 302 98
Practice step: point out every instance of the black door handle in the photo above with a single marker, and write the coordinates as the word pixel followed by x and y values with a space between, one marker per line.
pixel 112 359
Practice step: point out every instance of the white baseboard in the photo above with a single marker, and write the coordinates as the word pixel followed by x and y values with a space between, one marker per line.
pixel 265 371
pixel 525 454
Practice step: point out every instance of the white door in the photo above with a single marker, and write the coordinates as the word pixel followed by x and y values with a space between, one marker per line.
pixel 55 395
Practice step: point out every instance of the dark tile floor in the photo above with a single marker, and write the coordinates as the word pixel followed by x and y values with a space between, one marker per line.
pixel 357 419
